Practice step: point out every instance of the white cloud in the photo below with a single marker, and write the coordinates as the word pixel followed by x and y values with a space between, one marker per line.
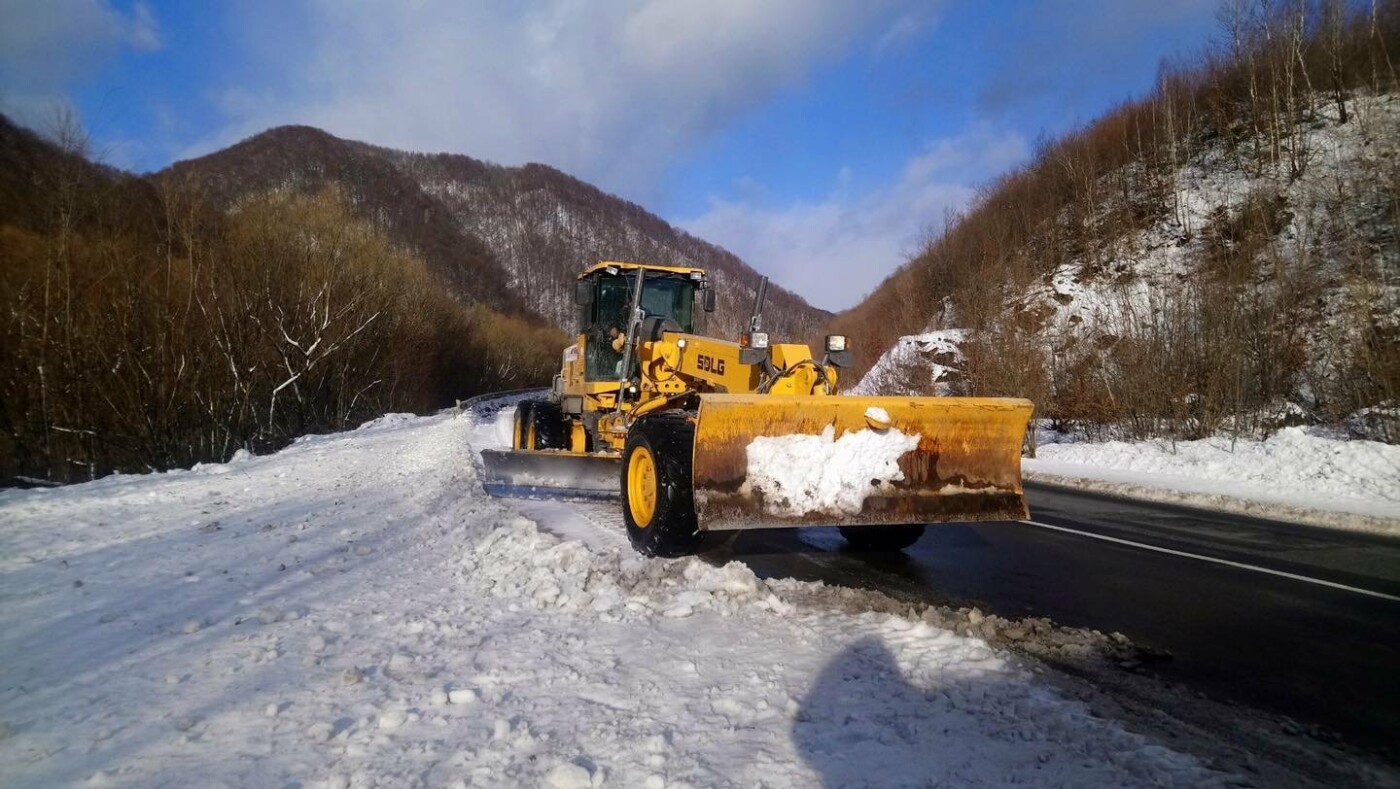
pixel 908 28
pixel 833 252
pixel 613 92
pixel 47 45
pixel 142 32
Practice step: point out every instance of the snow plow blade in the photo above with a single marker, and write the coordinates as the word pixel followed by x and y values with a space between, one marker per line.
pixel 548 474
pixel 762 461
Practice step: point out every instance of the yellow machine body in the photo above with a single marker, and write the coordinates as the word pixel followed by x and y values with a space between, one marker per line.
pixel 945 459
pixel 762 428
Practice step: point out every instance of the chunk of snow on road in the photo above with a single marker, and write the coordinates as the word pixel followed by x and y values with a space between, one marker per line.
pixel 568 776
pixel 392 719
pixel 320 732
pixel 802 473
pixel 461 696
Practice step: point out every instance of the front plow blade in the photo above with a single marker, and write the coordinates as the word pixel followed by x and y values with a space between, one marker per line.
pixel 526 474
pixel 766 460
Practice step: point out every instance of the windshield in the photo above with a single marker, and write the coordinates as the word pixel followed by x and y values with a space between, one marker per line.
pixel 667 297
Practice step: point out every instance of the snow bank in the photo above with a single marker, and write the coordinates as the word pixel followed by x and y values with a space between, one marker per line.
pixel 1298 473
pixel 725 665
pixel 352 612
pixel 801 474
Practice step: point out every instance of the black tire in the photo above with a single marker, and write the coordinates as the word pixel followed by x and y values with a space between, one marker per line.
pixel 883 538
pixel 550 430
pixel 541 420
pixel 667 440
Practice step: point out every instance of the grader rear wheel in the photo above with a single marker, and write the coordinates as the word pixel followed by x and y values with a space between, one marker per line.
pixel 657 503
pixel 883 538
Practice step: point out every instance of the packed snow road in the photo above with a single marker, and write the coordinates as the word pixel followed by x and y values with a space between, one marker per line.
pixel 352 611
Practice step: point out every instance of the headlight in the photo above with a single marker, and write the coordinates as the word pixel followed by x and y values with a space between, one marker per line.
pixel 835 343
pixel 758 339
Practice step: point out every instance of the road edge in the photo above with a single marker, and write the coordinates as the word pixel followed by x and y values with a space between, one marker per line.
pixel 1306 516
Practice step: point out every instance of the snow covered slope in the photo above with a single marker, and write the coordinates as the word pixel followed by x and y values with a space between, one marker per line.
pixel 919 364
pixel 1324 268
pixel 352 611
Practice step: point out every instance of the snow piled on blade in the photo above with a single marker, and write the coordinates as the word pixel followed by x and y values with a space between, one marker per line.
pixel 1298 473
pixel 800 474
pixel 353 611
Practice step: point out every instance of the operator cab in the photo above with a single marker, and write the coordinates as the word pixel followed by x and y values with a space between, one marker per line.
pixel 604 293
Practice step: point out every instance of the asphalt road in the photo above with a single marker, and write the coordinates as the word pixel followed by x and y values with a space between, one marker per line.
pixel 1289 619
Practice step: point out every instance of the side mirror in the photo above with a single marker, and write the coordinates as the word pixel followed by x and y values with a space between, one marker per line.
pixel 708 299
pixel 583 293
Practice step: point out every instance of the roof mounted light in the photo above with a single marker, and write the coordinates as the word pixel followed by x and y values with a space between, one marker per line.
pixel 835 343
pixel 697 275
pixel 612 271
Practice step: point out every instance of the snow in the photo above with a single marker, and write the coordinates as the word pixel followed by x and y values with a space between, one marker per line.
pixel 801 474
pixel 877 416
pixel 366 617
pixel 917 364
pixel 1296 474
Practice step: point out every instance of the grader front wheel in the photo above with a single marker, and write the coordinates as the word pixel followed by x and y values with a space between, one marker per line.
pixel 657 504
pixel 539 424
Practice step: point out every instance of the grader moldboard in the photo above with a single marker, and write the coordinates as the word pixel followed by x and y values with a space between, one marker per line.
pixel 699 435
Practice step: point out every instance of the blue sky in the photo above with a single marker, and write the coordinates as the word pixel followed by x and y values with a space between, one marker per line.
pixel 821 140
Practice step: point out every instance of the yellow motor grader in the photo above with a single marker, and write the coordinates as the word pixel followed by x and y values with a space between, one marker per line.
pixel 697 434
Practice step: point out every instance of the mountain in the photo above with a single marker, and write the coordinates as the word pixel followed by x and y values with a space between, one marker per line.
pixel 1220 255
pixel 511 237
pixel 144 329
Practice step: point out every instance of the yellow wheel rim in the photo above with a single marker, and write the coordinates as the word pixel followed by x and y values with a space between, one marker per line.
pixel 641 487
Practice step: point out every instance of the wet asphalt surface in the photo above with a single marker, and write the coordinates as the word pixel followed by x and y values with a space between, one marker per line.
pixel 1327 657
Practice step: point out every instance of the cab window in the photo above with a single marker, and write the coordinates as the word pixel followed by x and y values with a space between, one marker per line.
pixel 666 297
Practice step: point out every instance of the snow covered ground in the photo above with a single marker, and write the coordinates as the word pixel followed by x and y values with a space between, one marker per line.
pixel 1296 474
pixel 353 612
pixel 917 364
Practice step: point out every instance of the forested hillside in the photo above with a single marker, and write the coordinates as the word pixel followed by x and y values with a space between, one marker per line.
pixel 146 329
pixel 293 283
pixel 513 237
pixel 1223 254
